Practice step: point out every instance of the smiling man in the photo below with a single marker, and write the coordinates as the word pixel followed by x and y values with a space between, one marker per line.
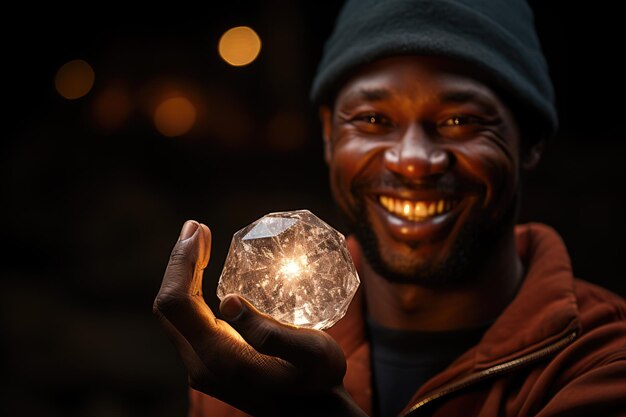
pixel 425 162
pixel 432 110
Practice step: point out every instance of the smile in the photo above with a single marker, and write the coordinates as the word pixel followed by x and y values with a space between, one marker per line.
pixel 416 210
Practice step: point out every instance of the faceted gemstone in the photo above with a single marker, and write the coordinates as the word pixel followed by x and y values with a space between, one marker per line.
pixel 292 266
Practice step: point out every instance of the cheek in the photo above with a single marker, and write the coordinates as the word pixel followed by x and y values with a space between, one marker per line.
pixel 495 167
pixel 350 157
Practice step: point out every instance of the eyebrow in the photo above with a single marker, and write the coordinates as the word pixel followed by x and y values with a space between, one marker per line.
pixel 467 96
pixel 458 97
pixel 373 94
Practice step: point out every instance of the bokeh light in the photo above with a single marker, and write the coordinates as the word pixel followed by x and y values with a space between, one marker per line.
pixel 175 116
pixel 112 107
pixel 74 79
pixel 239 46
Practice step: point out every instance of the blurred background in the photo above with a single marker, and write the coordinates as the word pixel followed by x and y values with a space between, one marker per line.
pixel 120 123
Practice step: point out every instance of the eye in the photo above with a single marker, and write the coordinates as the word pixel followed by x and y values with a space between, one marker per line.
pixel 460 120
pixel 373 119
pixel 463 126
pixel 372 122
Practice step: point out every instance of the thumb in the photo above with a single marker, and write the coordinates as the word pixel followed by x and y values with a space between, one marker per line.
pixel 183 275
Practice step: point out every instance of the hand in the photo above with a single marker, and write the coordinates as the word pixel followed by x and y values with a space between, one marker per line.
pixel 246 359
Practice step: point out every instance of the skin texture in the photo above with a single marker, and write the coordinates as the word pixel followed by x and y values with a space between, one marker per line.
pixel 421 129
pixel 409 127
pixel 246 359
pixel 413 128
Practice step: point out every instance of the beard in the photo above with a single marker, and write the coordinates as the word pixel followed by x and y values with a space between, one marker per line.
pixel 469 252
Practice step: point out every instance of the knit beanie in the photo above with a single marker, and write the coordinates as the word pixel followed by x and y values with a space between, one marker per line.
pixel 496 36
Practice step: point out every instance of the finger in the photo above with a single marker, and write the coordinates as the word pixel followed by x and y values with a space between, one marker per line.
pixel 183 275
pixel 306 349
pixel 180 296
pixel 211 349
pixel 188 259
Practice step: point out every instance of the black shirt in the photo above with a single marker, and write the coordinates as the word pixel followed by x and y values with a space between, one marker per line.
pixel 403 360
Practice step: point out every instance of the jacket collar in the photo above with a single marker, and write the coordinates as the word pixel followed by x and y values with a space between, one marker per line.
pixel 543 311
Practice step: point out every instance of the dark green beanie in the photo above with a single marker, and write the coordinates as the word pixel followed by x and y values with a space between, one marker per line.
pixel 496 36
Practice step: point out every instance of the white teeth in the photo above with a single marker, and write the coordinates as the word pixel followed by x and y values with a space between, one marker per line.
pixel 415 210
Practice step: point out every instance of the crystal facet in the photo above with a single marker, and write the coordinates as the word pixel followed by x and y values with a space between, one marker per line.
pixel 292 266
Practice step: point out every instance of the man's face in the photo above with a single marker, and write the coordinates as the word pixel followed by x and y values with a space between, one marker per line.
pixel 424 162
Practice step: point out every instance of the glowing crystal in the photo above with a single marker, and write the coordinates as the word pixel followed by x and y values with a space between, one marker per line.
pixel 292 266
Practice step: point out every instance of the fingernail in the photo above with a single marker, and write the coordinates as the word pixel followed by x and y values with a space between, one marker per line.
pixel 188 230
pixel 231 308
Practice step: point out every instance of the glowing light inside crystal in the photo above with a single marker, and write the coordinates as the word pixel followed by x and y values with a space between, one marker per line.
pixel 292 266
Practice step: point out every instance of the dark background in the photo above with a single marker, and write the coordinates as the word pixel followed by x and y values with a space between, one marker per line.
pixel 90 214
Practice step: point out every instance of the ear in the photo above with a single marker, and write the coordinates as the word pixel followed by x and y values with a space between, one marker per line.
pixel 326 117
pixel 532 155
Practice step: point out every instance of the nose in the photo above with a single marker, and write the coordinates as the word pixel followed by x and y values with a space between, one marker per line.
pixel 416 156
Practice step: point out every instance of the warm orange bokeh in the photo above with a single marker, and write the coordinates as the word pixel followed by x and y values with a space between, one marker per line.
pixel 74 79
pixel 175 116
pixel 239 46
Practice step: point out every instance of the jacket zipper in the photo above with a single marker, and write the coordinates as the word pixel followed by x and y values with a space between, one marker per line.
pixel 494 371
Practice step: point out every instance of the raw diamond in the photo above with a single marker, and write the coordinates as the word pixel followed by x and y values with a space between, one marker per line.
pixel 292 266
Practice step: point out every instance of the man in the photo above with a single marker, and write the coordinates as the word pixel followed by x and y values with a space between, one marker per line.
pixel 431 111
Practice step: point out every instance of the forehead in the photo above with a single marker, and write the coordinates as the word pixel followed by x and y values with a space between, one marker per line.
pixel 415 78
